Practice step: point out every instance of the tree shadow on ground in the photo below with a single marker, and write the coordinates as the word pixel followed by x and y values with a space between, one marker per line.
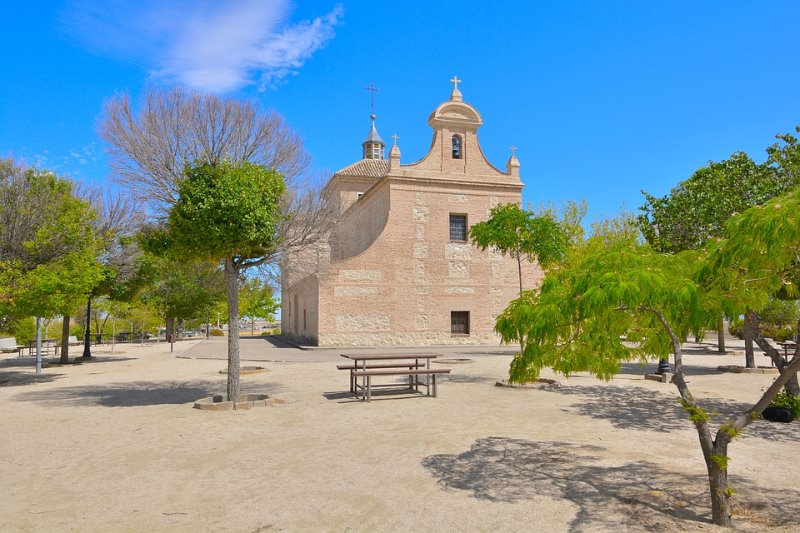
pixel 15 378
pixel 633 496
pixel 463 378
pixel 139 393
pixel 640 369
pixel 637 408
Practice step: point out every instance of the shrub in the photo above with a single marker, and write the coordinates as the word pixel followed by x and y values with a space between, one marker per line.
pixel 216 333
pixel 778 333
pixel 783 399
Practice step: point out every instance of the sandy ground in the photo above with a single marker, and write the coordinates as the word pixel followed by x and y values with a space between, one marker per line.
pixel 115 445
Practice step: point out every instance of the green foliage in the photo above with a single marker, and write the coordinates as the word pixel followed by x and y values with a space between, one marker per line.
pixel 758 259
pixel 697 414
pixel 256 299
pixel 227 210
pixel 48 248
pixel 609 289
pixel 789 401
pixel 187 289
pixel 697 209
pixel 730 431
pixel 22 329
pixel 721 461
pixel 517 232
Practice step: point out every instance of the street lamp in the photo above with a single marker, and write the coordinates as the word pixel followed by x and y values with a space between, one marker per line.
pixel 663 364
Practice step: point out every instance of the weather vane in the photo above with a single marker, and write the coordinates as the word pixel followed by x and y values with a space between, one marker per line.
pixel 372 89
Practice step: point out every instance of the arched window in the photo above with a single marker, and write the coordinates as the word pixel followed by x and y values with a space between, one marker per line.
pixel 457 151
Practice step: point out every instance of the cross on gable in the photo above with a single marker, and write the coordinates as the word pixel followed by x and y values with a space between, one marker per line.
pixel 395 137
pixel 513 150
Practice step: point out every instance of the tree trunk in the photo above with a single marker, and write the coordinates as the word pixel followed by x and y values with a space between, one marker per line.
pixel 750 328
pixel 721 335
pixel 87 337
pixel 252 326
pixel 232 290
pixel 721 492
pixel 65 340
pixel 519 267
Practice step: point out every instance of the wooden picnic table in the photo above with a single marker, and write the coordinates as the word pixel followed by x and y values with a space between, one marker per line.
pixel 47 345
pixel 413 365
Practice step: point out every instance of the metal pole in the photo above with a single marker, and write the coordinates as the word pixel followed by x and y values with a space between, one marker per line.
pixel 38 345
pixel 87 341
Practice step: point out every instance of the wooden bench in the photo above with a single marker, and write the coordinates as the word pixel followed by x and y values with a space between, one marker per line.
pixel 412 373
pixel 9 345
pixel 372 366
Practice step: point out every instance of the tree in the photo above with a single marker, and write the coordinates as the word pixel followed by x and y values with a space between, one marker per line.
pixel 184 289
pixel 228 212
pixel 116 222
pixel 519 233
pixel 759 259
pixel 47 247
pixel 176 128
pixel 615 289
pixel 698 208
pixel 257 301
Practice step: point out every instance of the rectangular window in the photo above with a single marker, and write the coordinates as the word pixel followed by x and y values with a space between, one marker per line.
pixel 459 322
pixel 458 227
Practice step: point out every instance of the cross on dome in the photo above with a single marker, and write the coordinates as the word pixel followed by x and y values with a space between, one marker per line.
pixel 455 96
pixel 513 150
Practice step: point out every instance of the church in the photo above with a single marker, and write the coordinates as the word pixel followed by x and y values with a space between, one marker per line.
pixel 397 267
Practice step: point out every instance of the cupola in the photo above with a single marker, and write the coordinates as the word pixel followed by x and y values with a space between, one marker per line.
pixel 373 146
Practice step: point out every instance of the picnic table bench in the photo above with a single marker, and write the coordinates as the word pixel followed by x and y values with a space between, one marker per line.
pixel 413 365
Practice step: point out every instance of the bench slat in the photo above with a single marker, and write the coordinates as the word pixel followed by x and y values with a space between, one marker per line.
pixel 379 365
pixel 407 372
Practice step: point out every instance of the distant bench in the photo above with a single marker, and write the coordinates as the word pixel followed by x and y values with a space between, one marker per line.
pixel 9 345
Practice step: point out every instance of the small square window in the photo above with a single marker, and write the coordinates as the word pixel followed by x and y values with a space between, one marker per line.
pixel 459 322
pixel 458 227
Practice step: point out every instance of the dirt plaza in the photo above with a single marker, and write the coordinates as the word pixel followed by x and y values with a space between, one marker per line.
pixel 115 445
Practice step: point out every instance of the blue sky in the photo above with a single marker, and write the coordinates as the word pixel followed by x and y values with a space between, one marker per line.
pixel 602 99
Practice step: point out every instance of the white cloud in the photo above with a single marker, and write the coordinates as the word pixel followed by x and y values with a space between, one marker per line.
pixel 204 44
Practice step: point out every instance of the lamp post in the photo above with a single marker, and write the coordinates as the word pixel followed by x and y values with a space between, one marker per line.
pixel 663 364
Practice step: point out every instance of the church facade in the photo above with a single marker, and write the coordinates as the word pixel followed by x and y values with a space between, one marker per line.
pixel 398 267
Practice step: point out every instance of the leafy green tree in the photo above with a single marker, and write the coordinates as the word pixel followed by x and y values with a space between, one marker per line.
pixel 257 301
pixel 698 208
pixel 184 289
pixel 614 289
pixel 521 234
pixel 47 247
pixel 759 259
pixel 228 212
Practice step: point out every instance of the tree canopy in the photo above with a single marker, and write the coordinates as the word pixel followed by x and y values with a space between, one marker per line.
pixel 521 233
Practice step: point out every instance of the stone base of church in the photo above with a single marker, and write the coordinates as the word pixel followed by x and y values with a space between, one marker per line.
pixel 406 339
